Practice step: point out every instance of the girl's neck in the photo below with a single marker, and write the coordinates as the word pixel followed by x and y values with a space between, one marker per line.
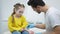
pixel 17 16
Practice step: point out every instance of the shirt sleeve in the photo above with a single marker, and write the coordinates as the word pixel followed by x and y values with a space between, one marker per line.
pixel 25 23
pixel 10 24
pixel 54 19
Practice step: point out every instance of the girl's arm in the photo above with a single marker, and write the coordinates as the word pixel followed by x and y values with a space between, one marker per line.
pixel 25 23
pixel 10 24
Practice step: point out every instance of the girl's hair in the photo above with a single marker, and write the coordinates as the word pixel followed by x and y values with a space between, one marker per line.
pixel 16 7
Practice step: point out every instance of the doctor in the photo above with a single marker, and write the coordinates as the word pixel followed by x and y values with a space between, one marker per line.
pixel 52 16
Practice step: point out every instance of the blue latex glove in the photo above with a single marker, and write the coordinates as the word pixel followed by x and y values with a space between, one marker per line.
pixel 31 25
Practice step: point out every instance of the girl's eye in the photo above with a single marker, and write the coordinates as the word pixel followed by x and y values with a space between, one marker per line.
pixel 20 11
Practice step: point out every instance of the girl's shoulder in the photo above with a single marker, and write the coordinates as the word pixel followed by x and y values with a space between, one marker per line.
pixel 10 17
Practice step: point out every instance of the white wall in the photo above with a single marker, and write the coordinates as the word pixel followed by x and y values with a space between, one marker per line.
pixel 7 6
pixel 0 17
pixel 54 3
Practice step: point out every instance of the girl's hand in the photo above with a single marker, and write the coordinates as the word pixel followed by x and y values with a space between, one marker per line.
pixel 22 29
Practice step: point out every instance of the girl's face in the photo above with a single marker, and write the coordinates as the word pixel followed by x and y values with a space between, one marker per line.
pixel 19 11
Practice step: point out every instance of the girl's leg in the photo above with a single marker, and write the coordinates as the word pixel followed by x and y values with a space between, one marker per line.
pixel 25 32
pixel 16 32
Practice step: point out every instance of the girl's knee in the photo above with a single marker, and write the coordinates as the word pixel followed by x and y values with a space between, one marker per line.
pixel 25 32
pixel 16 32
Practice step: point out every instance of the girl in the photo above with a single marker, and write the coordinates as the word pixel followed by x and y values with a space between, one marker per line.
pixel 17 22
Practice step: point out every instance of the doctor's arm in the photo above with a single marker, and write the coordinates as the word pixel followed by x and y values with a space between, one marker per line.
pixel 41 26
pixel 56 29
pixel 55 20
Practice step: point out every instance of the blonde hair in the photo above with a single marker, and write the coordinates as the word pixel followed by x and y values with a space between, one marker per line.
pixel 16 7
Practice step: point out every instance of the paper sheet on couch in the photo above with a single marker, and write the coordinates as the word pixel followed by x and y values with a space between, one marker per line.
pixel 36 30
